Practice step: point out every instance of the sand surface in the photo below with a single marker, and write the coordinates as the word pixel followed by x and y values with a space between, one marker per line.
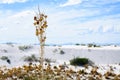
pixel 104 56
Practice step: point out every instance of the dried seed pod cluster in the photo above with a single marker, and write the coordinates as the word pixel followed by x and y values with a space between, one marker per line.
pixel 40 23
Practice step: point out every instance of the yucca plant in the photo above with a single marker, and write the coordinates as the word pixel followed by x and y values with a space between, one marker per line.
pixel 40 23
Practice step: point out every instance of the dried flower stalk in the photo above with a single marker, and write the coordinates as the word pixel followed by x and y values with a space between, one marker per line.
pixel 40 23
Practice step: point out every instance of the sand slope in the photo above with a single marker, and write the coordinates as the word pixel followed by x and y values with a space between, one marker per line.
pixel 102 55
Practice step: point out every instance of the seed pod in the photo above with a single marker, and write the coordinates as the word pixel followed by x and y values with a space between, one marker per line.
pixel 35 18
pixel 45 26
pixel 41 32
pixel 45 22
pixel 44 37
pixel 36 32
pixel 37 22
pixel 42 27
pixel 45 16
pixel 41 18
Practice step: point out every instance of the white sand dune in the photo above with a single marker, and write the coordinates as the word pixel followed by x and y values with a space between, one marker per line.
pixel 102 56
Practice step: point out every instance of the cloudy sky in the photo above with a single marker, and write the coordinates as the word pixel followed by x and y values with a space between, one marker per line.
pixel 69 21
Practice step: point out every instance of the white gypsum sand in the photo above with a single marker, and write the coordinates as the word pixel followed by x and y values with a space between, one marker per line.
pixel 103 57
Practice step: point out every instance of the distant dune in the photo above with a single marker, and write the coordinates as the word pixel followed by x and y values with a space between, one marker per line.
pixel 99 55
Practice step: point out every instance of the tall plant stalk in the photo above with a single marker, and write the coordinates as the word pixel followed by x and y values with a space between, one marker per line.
pixel 40 24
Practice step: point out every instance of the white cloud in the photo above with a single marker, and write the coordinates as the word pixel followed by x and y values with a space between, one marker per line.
pixel 72 21
pixel 11 1
pixel 62 25
pixel 71 2
pixel 18 27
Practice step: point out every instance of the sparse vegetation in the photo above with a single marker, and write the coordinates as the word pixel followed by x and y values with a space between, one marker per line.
pixel 90 45
pixel 23 48
pixel 4 58
pixel 79 61
pixel 83 44
pixel 10 44
pixel 62 52
pixel 31 58
pixel 55 50
pixel 77 44
pixel 34 72
pixel 59 50
pixel 4 50
pixel 93 45
pixel 48 60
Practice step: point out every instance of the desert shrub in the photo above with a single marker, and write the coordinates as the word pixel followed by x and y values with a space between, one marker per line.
pixel 93 45
pixel 55 50
pixel 83 44
pixel 48 60
pixel 59 50
pixel 115 45
pixel 79 61
pixel 77 44
pixel 62 52
pixel 31 58
pixel 10 44
pixel 96 45
pixel 4 58
pixel 5 50
pixel 90 45
pixel 24 47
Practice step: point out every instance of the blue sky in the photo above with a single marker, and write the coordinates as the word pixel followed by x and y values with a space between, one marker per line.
pixel 69 21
